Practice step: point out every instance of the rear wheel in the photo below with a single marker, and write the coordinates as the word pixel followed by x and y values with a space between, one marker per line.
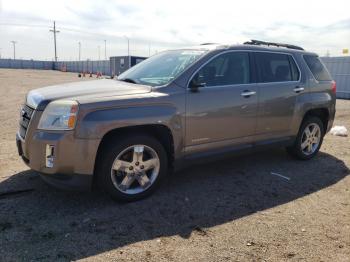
pixel 309 139
pixel 132 168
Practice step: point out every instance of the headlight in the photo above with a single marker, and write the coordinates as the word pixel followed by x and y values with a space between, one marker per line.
pixel 59 115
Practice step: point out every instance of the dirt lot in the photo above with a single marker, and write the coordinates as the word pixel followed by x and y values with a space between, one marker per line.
pixel 233 210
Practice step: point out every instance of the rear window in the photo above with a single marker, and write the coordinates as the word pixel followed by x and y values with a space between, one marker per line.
pixel 317 68
pixel 274 67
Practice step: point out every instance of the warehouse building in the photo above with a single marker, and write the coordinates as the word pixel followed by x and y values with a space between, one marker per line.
pixel 119 64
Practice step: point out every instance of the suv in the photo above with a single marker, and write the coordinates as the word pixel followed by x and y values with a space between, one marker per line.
pixel 173 108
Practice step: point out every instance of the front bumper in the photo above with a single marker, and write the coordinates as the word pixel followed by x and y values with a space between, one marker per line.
pixel 73 159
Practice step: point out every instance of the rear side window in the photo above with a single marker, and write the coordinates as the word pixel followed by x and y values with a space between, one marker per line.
pixel 295 70
pixel 276 67
pixel 317 68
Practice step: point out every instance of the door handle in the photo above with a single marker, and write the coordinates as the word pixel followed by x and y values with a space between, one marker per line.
pixel 298 89
pixel 248 93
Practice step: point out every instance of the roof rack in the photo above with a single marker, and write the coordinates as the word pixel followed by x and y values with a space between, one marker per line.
pixel 209 44
pixel 258 42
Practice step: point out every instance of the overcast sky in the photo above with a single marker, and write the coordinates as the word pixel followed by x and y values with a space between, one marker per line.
pixel 161 24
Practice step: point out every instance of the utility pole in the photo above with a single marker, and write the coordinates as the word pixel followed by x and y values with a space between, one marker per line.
pixel 54 37
pixel 105 50
pixel 14 49
pixel 79 44
pixel 0 52
pixel 149 49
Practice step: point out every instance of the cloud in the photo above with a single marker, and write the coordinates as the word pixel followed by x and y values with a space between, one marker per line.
pixel 166 24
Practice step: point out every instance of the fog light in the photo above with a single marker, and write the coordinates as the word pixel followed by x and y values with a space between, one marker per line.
pixel 50 150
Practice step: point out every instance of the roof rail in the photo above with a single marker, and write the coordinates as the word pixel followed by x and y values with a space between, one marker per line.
pixel 258 42
pixel 209 44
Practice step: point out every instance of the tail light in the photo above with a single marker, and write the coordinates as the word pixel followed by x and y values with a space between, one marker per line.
pixel 334 87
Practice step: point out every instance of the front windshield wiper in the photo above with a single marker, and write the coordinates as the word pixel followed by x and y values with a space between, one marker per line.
pixel 129 80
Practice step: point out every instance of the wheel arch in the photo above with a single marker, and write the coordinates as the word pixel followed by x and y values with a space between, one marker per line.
pixel 322 113
pixel 159 131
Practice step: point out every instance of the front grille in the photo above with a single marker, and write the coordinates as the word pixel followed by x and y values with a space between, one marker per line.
pixel 25 117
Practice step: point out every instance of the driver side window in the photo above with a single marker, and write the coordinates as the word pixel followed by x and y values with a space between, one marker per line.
pixel 226 69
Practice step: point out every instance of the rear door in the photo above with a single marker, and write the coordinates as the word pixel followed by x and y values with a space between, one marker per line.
pixel 279 85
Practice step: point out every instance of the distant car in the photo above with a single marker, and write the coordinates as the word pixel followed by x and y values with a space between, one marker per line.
pixel 173 108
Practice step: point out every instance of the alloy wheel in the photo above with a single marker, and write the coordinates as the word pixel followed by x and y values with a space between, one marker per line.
pixel 310 139
pixel 135 169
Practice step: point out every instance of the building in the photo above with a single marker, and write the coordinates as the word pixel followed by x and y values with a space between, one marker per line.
pixel 339 67
pixel 119 64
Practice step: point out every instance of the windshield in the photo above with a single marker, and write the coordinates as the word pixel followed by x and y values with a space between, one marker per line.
pixel 162 68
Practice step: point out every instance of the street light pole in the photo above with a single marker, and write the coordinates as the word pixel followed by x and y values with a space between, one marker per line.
pixel 14 49
pixel 79 50
pixel 129 60
pixel 127 38
pixel 105 50
pixel 128 47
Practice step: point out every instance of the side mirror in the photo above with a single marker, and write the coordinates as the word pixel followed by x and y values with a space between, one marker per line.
pixel 194 86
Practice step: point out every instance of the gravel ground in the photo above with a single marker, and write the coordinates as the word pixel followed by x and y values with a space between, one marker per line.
pixel 233 210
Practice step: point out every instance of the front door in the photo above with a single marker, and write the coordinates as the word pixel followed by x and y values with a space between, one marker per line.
pixel 223 110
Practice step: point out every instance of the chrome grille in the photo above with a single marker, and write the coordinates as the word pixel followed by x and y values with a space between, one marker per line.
pixel 25 117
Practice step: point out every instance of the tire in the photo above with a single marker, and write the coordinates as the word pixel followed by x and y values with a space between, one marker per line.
pixel 121 168
pixel 298 149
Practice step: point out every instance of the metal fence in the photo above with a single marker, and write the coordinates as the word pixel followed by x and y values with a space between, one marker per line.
pixel 339 67
pixel 102 66
pixel 26 64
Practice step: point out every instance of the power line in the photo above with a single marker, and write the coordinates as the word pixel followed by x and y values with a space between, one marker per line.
pixel 54 37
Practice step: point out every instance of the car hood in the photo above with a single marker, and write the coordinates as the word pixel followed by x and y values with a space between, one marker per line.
pixel 94 89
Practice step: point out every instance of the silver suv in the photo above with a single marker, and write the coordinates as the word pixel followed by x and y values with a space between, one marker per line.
pixel 173 108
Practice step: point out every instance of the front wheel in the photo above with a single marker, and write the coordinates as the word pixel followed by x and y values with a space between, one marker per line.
pixel 132 167
pixel 309 139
